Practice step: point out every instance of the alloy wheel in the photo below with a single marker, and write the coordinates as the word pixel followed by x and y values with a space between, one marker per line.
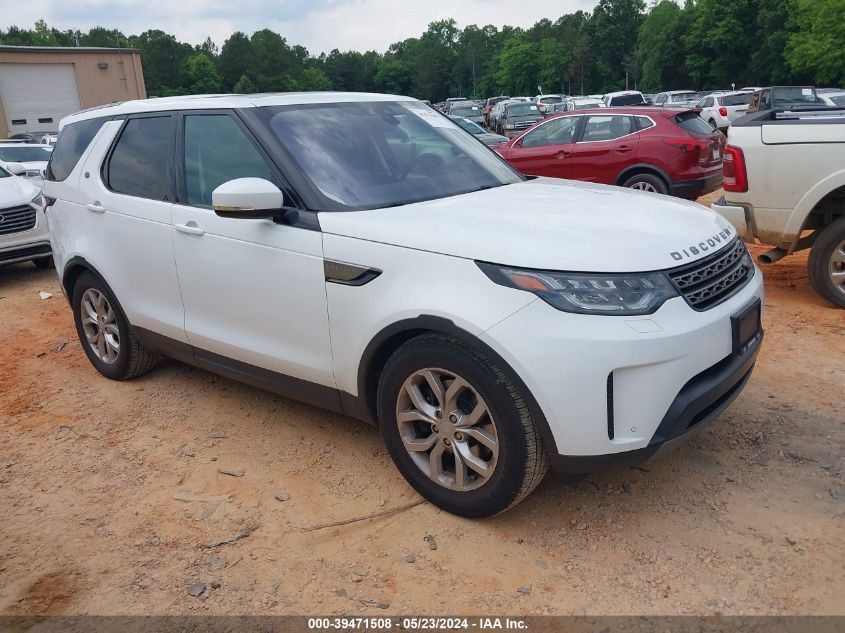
pixel 644 186
pixel 447 429
pixel 836 268
pixel 100 325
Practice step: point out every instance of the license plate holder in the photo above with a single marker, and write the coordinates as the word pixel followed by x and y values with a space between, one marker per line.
pixel 746 326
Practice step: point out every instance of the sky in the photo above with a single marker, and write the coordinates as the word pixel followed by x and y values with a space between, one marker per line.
pixel 319 25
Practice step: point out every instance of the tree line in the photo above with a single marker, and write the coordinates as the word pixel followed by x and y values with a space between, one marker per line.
pixel 699 44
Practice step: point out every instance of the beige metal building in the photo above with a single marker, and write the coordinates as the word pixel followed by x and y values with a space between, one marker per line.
pixel 41 84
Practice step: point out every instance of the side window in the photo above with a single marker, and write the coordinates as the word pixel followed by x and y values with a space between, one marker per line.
pixel 216 151
pixel 72 142
pixel 607 128
pixel 139 163
pixel 708 102
pixel 643 122
pixel 556 132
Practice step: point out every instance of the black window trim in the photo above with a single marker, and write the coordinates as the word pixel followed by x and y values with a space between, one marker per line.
pixel 104 167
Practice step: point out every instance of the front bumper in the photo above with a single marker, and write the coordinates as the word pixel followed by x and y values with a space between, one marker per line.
pixel 692 189
pixel 700 401
pixel 615 389
pixel 33 243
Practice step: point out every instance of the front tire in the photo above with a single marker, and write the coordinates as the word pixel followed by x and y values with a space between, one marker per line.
pixel 826 266
pixel 104 331
pixel 647 182
pixel 458 428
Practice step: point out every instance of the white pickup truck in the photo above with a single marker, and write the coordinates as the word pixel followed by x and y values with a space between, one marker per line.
pixel 784 182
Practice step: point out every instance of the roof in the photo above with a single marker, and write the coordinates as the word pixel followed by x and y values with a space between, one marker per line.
pixel 64 49
pixel 199 102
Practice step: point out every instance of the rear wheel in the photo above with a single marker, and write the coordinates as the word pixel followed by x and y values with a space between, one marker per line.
pixel 647 182
pixel 457 427
pixel 826 266
pixel 104 331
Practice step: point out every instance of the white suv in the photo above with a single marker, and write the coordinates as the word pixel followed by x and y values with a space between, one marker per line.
pixel 722 109
pixel 364 253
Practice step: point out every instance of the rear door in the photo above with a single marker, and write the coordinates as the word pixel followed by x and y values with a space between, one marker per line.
pixel 606 145
pixel 547 149
pixel 128 206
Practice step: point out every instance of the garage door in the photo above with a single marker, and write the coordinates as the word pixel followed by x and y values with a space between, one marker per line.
pixel 37 96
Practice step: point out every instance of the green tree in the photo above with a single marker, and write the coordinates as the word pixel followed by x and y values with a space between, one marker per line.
pixel 518 65
pixel 244 86
pixel 163 58
pixel 613 34
pixel 817 48
pixel 42 35
pixel 235 60
pixel 658 42
pixel 272 62
pixel 201 75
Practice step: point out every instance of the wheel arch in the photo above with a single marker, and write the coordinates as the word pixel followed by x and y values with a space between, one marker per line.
pixel 74 267
pixel 389 339
pixel 823 211
pixel 643 168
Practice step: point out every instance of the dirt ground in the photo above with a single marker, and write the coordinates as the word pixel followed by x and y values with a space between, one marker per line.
pixel 94 476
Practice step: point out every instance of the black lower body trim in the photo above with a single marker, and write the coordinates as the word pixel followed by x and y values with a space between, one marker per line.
pixel 692 189
pixel 288 386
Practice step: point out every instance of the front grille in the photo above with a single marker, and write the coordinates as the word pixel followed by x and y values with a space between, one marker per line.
pixel 17 219
pixel 712 280
pixel 522 125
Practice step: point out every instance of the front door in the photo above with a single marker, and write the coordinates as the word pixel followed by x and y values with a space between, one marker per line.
pixel 254 290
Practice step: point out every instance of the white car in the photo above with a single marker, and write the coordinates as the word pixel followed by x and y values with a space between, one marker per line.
pixel 582 103
pixel 23 227
pixel 721 109
pixel 677 98
pixel 624 98
pixel 32 156
pixel 544 101
pixel 364 253
pixel 832 98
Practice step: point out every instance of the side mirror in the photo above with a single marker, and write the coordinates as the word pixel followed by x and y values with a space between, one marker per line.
pixel 16 168
pixel 247 198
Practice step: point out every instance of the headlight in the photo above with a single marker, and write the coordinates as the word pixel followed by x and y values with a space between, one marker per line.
pixel 509 126
pixel 588 293
pixel 38 200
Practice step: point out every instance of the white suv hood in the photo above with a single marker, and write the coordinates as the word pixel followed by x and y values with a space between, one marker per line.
pixel 548 224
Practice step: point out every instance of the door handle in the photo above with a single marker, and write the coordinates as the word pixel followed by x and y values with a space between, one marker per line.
pixel 562 154
pixel 95 207
pixel 624 148
pixel 190 228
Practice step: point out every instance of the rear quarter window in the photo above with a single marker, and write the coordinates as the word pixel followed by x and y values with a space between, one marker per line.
pixel 73 140
pixel 692 123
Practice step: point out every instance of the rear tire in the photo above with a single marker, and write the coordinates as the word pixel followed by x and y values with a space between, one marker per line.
pixel 647 182
pixel 105 333
pixel 826 266
pixel 502 441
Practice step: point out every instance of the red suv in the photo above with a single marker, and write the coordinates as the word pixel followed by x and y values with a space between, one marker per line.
pixel 653 149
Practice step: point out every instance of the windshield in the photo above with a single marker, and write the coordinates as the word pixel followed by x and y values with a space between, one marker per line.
pixel 551 99
pixel 471 111
pixel 626 100
pixel 522 109
pixel 584 105
pixel 469 126
pixel 839 100
pixel 735 100
pixel 24 154
pixel 376 154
